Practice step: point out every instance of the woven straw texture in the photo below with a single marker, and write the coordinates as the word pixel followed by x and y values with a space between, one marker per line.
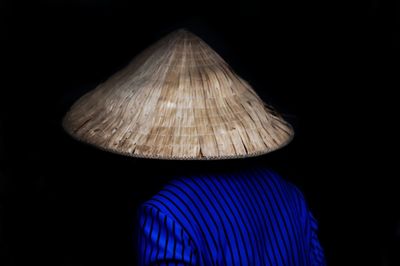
pixel 177 100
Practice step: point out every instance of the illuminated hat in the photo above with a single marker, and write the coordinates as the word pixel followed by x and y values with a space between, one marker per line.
pixel 178 99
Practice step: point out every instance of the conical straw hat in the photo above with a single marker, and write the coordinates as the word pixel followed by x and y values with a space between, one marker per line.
pixel 177 100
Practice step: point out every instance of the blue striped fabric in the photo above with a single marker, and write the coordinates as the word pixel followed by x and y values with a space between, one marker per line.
pixel 251 218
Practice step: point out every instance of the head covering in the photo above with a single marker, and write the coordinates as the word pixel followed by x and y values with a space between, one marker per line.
pixel 178 99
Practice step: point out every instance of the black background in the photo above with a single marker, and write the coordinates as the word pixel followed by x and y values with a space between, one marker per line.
pixel 326 65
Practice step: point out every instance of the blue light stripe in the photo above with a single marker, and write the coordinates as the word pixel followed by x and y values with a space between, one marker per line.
pixel 247 218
